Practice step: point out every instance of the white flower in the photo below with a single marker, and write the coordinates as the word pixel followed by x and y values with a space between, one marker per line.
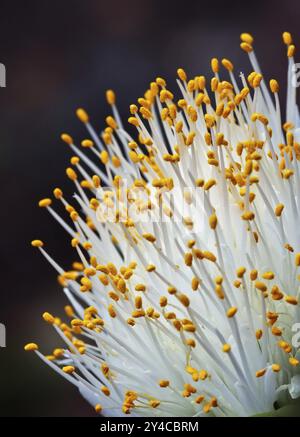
pixel 176 314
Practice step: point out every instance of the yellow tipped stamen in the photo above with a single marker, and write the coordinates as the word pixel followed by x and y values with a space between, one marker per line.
pixel 68 369
pixel 226 348
pixel 98 408
pixel 48 318
pixel 67 139
pixel 37 243
pixel 87 143
pixel 82 115
pixel 31 347
pixel 164 383
pixel 260 373
pixel 45 202
pixel 71 174
pixel 231 312
pixel 110 97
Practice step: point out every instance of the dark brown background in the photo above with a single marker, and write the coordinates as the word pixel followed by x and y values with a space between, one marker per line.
pixel 62 54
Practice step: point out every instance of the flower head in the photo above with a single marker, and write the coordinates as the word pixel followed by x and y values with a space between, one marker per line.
pixel 186 287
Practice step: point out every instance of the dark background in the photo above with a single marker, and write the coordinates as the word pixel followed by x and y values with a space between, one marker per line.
pixel 61 55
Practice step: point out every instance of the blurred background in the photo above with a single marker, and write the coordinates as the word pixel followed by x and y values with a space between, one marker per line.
pixel 61 55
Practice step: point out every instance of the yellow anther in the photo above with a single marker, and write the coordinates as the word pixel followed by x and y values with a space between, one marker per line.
pixel 67 138
pixel 138 313
pixel 219 291
pixel 172 290
pixel 209 184
pixel 110 97
pixel 68 369
pixel 219 112
pixel 209 256
pixel 253 275
pixel 209 120
pixel 82 115
pixel 111 311
pixel 190 342
pixel 291 51
pixel 261 286
pixel 111 122
pixel 214 84
pixel 231 312
pixel 154 403
pixel 87 143
pixel 240 272
pixel 140 287
pixel 74 242
pixel 45 202
pixel 164 383
pixel 199 399
pixel 138 302
pixel 150 268
pixel 291 300
pixel 86 282
pixel 58 353
pixel 98 408
pixel 246 47
pixel 105 390
pixel 184 300
pixel 293 361
pixel 163 301
pixel 134 121
pixel 226 348
pixel 227 64
pixel 276 331
pixel 278 209
pixel 130 322
pixel 58 194
pixel 258 334
pixel 213 221
pixel 268 275
pixel 274 86
pixel 203 375
pixel 31 347
pixel 237 283
pixel 248 167
pixel 104 157
pixel 297 260
pixel 195 283
pixel 149 237
pixel 182 74
pixel 74 160
pixel 247 37
pixel 71 174
pixel 214 65
pixel 69 311
pixel 276 367
pixel 190 327
pixel 257 80
pixel 287 38
pixel 260 373
pixel 128 273
pixel 199 183
pixel 133 109
pixel 165 95
pixel 188 259
pixel 48 318
pixel 248 215
pixel 161 82
pixel 37 243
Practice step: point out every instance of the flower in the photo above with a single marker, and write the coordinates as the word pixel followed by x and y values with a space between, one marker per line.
pixel 175 314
